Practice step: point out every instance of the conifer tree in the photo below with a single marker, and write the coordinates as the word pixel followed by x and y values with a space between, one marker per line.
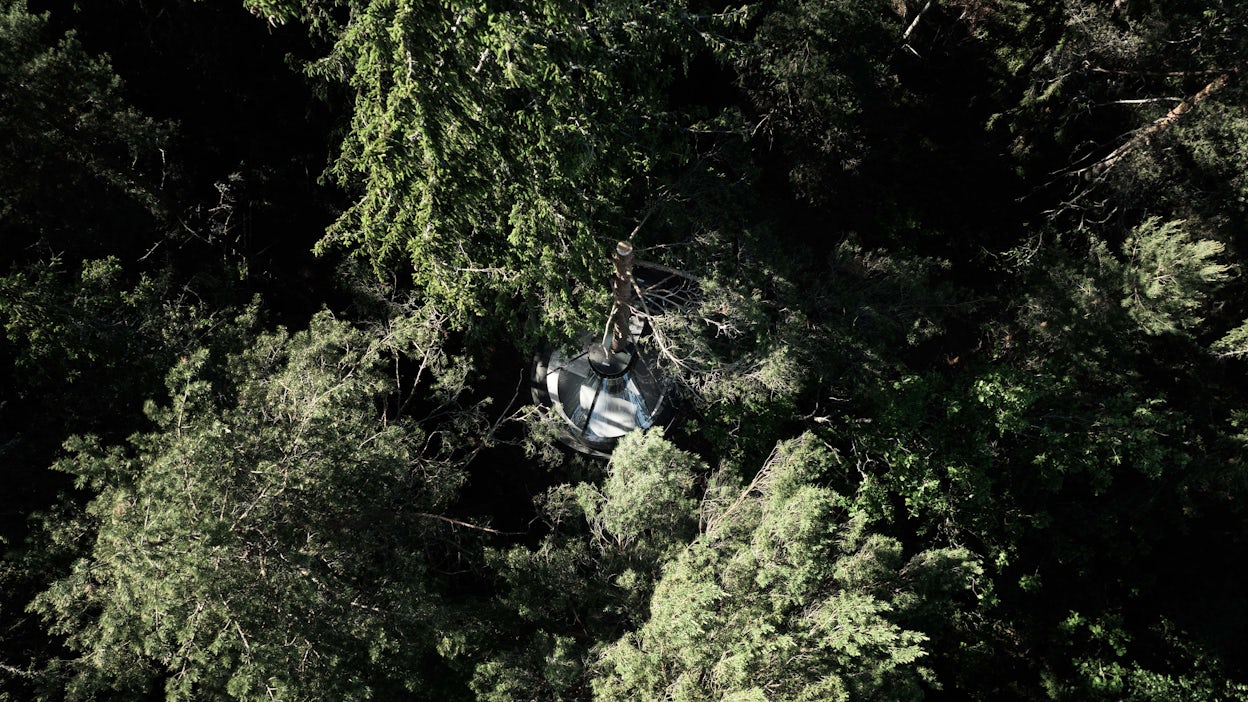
pixel 493 147
pixel 783 596
pixel 275 535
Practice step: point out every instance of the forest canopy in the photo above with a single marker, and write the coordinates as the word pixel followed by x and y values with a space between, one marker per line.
pixel 958 327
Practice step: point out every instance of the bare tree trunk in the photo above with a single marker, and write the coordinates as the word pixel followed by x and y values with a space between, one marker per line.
pixel 622 288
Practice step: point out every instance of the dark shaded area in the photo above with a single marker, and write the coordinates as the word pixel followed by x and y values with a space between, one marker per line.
pixel 240 204
pixel 251 140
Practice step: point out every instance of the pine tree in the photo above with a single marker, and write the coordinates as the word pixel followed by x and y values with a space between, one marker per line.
pixel 276 534
pixel 783 596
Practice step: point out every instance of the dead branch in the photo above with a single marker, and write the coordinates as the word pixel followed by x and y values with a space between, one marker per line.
pixel 667 269
pixel 1168 74
pixel 466 525
pixel 1143 136
pixel 756 485
pixel 905 36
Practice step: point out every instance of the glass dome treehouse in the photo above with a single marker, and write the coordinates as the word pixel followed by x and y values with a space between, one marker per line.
pixel 608 386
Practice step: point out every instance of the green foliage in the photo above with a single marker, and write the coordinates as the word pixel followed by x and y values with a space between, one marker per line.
pixel 994 435
pixel 1166 275
pixel 1104 671
pixel 781 598
pixel 68 324
pixel 317 14
pixel 1117 95
pixel 89 344
pixel 593 574
pixel 645 502
pixel 493 145
pixel 738 357
pixel 74 157
pixel 548 668
pixel 271 537
pixel 1234 343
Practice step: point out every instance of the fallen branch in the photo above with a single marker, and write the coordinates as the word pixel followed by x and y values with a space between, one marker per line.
pixel 1143 136
pixel 905 36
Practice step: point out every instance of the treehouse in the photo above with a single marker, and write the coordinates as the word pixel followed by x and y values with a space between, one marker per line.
pixel 608 385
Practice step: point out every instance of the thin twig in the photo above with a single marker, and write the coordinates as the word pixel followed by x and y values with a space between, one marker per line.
pixel 467 525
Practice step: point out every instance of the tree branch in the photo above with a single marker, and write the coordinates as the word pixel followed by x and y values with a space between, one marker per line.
pixel 667 269
pixel 756 485
pixel 467 525
pixel 16 671
pixel 1143 136
pixel 905 36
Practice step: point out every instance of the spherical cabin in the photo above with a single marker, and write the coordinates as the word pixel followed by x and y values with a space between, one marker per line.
pixel 608 386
